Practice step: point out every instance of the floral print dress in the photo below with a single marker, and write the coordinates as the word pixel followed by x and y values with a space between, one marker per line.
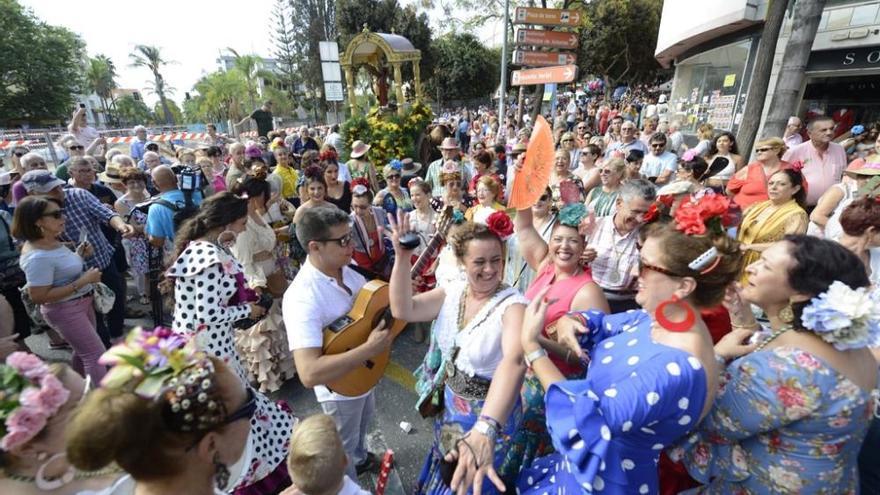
pixel 784 421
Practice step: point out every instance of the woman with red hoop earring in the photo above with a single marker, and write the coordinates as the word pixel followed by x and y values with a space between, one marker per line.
pixel 653 372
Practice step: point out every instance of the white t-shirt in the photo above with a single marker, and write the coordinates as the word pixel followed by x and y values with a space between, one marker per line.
pixel 349 487
pixel 312 301
pixel 654 165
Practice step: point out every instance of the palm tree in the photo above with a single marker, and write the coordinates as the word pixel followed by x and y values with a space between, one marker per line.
pixel 249 67
pixel 101 78
pixel 150 57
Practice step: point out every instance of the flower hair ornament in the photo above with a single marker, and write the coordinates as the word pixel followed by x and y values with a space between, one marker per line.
pixel 572 215
pixel 328 155
pixel 160 364
pixel 499 223
pixel 396 164
pixel 360 186
pixel 689 155
pixel 844 317
pixel 29 395
pixel 797 166
pixel 449 171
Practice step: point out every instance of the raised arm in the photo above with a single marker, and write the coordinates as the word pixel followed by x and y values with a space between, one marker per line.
pixel 423 307
pixel 531 245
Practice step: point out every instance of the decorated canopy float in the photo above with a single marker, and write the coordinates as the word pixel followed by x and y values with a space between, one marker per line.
pixel 393 129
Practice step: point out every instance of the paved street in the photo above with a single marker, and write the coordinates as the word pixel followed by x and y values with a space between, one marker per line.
pixel 395 402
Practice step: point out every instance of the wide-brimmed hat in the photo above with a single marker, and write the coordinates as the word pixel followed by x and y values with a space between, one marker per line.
pixel 519 148
pixel 110 175
pixel 40 181
pixel 359 149
pixel 410 167
pixel 863 169
pixel 449 144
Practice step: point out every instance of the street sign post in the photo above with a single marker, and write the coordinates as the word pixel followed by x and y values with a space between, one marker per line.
pixel 544 75
pixel 552 39
pixel 546 17
pixel 542 59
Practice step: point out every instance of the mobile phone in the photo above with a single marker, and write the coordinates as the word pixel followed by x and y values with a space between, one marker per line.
pixel 83 237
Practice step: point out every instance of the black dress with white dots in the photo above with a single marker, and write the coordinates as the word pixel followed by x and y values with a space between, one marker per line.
pixel 204 282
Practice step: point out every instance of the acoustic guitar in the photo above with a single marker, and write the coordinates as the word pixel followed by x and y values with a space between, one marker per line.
pixel 371 306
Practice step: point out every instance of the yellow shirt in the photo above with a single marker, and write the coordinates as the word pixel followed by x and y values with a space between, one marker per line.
pixel 289 178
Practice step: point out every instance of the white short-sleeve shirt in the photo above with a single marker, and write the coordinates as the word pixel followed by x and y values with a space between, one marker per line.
pixel 312 301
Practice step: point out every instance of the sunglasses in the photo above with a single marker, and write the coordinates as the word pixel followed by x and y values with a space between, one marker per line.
pixel 605 171
pixel 246 411
pixel 567 140
pixel 658 145
pixel 643 265
pixel 76 147
pixel 56 214
pixel 762 150
pixel 342 241
pixel 392 176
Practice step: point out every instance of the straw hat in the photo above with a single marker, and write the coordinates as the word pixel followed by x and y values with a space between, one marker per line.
pixel 449 144
pixel 864 169
pixel 359 149
pixel 110 175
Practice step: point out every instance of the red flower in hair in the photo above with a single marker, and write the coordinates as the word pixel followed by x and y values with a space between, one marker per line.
pixel 360 181
pixel 666 199
pixel 328 155
pixel 689 220
pixel 500 224
pixel 696 215
pixel 652 214
pixel 713 205
pixel 797 166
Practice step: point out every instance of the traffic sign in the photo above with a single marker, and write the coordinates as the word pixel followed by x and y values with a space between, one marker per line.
pixel 542 59
pixel 546 17
pixel 333 91
pixel 544 75
pixel 552 39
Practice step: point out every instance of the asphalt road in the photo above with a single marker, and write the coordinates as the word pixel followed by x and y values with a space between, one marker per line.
pixel 395 402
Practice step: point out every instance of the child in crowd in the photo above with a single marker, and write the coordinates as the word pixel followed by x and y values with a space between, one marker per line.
pixel 317 460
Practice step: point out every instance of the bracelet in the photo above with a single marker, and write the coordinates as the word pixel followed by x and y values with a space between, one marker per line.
pixel 535 355
pixel 489 419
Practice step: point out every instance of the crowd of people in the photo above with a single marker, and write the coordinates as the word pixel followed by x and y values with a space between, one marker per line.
pixel 658 319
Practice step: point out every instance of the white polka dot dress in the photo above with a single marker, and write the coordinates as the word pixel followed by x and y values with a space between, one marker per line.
pixel 609 428
pixel 204 282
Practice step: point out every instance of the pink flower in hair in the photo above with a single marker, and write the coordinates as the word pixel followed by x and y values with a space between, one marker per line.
pixel 23 424
pixel 797 166
pixel 28 365
pixel 52 393
pixel 13 439
pixel 689 155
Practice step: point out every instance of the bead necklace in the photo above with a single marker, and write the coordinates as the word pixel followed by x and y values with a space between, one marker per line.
pixel 78 475
pixel 773 336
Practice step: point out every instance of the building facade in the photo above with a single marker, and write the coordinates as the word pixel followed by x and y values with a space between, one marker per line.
pixel 713 52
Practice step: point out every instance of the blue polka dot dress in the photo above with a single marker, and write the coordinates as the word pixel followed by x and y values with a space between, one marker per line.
pixel 609 428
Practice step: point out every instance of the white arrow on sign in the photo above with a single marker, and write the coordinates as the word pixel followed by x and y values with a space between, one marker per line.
pixel 568 73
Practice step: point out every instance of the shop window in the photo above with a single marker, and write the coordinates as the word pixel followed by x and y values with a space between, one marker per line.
pixel 707 87
pixel 864 14
pixel 839 18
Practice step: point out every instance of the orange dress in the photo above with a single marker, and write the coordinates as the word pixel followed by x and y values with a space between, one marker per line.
pixel 752 189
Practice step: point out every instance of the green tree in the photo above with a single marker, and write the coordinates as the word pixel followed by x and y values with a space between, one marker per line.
pixel 159 111
pixel 311 22
pixel 40 68
pixel 101 78
pixel 617 41
pixel 464 68
pixel 130 111
pixel 151 58
pixel 222 95
pixel 284 50
pixel 249 66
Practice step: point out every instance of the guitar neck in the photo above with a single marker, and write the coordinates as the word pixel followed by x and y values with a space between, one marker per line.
pixel 427 254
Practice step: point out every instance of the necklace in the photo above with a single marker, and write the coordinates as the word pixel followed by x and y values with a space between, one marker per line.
pixel 773 336
pixel 79 475
pixel 462 303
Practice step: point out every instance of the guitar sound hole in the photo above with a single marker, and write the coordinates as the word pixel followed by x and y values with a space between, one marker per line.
pixel 369 364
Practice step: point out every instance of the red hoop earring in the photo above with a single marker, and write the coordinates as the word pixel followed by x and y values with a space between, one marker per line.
pixel 681 326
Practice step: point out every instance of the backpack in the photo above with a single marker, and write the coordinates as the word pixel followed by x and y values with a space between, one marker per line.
pixel 180 213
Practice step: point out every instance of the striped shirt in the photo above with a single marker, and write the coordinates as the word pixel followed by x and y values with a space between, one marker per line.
pixel 616 255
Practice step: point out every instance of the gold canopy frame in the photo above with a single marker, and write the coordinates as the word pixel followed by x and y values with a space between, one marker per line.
pixel 367 49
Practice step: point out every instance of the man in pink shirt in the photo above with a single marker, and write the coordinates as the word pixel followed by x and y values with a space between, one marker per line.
pixel 824 161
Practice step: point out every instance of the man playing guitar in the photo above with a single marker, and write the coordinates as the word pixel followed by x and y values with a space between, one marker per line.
pixel 323 291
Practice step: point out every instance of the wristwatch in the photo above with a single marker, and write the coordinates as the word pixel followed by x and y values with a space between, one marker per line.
pixel 486 428
pixel 534 356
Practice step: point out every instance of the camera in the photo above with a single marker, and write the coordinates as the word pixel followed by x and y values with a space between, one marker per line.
pixel 189 179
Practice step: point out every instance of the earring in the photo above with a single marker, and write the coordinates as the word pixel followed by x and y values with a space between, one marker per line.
pixel 221 474
pixel 787 314
pixel 226 239
pixel 681 326
pixel 55 483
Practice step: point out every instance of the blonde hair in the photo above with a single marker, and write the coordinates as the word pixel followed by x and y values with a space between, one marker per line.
pixel 317 459
pixel 773 142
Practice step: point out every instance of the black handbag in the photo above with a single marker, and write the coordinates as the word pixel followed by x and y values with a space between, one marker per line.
pixel 11 274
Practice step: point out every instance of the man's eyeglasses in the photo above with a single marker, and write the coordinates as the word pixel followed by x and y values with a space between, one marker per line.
pixel 643 265
pixel 56 214
pixel 342 241
pixel 76 147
